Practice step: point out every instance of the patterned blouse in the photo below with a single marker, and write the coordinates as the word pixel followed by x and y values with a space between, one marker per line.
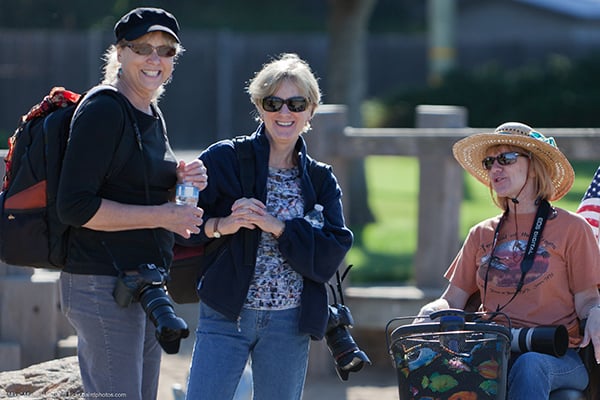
pixel 276 286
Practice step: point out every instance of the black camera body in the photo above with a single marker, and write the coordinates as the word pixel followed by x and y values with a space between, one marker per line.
pixel 146 285
pixel 132 283
pixel 346 353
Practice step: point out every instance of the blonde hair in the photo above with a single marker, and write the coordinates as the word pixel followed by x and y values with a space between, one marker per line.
pixel 288 67
pixel 112 66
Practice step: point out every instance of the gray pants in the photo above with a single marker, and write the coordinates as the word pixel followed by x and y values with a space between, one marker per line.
pixel 119 356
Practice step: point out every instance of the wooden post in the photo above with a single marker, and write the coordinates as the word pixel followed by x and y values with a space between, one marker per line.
pixel 440 197
pixel 325 143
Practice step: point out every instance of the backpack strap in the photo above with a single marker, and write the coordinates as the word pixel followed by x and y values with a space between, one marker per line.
pixel 318 173
pixel 245 156
pixel 123 149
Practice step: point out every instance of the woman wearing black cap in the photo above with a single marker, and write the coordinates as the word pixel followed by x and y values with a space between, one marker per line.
pixel 123 219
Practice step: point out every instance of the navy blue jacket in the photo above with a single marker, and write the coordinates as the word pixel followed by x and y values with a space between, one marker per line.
pixel 314 253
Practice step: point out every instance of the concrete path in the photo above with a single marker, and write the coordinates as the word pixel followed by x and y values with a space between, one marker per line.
pixel 374 382
pixel 368 384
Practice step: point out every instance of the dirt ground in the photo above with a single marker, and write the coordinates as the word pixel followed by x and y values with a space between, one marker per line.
pixel 371 383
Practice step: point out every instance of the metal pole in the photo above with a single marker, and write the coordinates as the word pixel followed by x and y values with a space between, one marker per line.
pixel 442 54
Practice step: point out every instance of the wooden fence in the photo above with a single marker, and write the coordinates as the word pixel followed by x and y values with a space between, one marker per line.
pixel 440 178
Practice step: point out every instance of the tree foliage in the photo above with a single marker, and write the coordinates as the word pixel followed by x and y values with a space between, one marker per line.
pixel 557 92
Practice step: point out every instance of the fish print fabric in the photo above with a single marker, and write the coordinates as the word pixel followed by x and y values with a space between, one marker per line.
pixel 429 369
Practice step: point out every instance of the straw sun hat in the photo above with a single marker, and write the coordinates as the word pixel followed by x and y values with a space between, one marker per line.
pixel 470 152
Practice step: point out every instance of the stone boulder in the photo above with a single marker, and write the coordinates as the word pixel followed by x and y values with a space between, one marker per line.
pixel 55 379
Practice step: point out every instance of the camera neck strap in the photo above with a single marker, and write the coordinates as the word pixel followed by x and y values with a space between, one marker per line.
pixel 532 246
pixel 138 137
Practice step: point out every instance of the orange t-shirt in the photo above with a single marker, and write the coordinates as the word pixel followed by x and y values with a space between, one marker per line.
pixel 567 262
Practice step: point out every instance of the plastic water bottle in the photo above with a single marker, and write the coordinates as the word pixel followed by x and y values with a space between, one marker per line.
pixel 186 193
pixel 178 392
pixel 315 216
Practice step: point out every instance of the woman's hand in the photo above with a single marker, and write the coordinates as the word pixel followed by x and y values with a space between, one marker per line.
pixel 193 172
pixel 453 297
pixel 250 213
pixel 254 212
pixel 183 220
pixel 587 304
pixel 430 308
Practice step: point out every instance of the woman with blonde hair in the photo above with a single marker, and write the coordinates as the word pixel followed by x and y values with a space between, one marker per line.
pixel 123 220
pixel 265 298
pixel 535 263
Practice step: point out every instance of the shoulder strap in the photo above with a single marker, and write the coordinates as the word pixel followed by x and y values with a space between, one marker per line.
pixel 318 174
pixel 245 155
pixel 123 150
pixel 162 119
pixel 542 215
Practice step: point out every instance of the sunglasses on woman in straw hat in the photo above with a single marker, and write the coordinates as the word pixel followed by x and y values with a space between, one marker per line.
pixel 470 153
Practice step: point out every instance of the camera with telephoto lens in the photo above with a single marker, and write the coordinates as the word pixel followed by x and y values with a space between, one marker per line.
pixel 348 357
pixel 146 285
pixel 346 354
pixel 553 340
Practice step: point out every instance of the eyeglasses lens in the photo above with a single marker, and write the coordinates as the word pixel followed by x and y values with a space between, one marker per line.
pixel 294 104
pixel 145 49
pixel 503 159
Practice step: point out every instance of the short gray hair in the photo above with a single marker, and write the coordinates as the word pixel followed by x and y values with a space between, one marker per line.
pixel 288 67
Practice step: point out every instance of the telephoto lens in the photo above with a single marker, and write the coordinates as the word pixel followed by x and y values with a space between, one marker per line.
pixel 346 354
pixel 553 340
pixel 170 328
pixel 146 285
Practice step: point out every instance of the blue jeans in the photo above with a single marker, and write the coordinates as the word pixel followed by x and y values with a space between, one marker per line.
pixel 534 375
pixel 279 355
pixel 118 353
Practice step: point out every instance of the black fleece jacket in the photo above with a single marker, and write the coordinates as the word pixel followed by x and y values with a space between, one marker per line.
pixel 88 175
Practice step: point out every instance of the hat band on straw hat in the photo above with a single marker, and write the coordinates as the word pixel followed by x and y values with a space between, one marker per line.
pixel 536 135
pixel 470 151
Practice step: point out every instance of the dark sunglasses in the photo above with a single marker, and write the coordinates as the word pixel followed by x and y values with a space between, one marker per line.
pixel 145 49
pixel 503 159
pixel 294 104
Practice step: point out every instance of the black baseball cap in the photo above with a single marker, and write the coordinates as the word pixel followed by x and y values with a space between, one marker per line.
pixel 140 21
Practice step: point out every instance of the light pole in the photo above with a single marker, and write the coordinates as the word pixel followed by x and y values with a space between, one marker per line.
pixel 442 53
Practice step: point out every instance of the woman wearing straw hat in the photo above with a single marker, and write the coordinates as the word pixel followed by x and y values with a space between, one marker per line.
pixel 536 264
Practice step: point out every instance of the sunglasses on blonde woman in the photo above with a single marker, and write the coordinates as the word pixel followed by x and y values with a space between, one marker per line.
pixel 503 159
pixel 145 49
pixel 295 104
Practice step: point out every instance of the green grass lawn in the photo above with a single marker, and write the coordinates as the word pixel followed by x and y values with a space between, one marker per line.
pixel 383 251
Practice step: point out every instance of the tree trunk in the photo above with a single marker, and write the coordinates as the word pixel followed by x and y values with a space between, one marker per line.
pixel 347 76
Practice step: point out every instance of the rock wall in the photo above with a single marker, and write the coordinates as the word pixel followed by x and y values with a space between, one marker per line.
pixel 55 379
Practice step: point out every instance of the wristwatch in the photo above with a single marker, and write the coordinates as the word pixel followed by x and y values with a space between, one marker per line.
pixel 216 233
